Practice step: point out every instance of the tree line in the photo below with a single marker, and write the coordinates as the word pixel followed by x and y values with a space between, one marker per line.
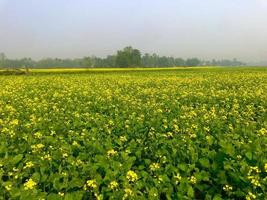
pixel 127 57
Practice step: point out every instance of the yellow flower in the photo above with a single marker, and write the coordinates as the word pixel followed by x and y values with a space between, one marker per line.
pixel 177 178
pixel 30 184
pixel 113 185
pixel 255 182
pixel 8 187
pixel 111 153
pixel 14 122
pixel 61 194
pixel 75 143
pixel 123 138
pixel 128 192
pixel 250 196
pixel 90 184
pixel 169 135
pixel 28 165
pixel 265 167
pixel 193 180
pixel 262 132
pixel 46 157
pixel 227 188
pixel 154 166
pixel 131 176
pixel 38 135
pixel 65 155
pixel 37 147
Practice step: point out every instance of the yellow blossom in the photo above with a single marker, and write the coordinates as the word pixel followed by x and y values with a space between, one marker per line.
pixel 28 165
pixel 30 184
pixel 37 147
pixel 46 157
pixel 38 135
pixel 123 138
pixel 178 178
pixel 61 194
pixel 90 184
pixel 111 153
pixel 113 185
pixel 14 122
pixel 154 166
pixel 193 180
pixel 65 155
pixel 128 193
pixel 262 132
pixel 131 176
pixel 227 188
pixel 250 196
pixel 8 187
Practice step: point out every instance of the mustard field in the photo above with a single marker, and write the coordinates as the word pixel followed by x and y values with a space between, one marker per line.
pixel 188 133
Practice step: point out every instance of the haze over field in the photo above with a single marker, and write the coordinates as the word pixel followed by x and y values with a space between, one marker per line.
pixel 182 28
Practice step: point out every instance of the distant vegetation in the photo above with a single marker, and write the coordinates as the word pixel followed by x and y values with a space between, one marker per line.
pixel 127 57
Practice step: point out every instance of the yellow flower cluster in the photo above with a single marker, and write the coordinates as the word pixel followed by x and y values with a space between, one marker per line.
pixel 28 165
pixel 8 187
pixel 193 180
pixel 46 157
pixel 250 196
pixel 127 193
pixel 38 135
pixel 14 122
pixel 111 153
pixel 227 188
pixel 30 184
pixel 37 147
pixel 253 176
pixel 177 178
pixel 123 138
pixel 262 132
pixel 131 176
pixel 90 184
pixel 61 194
pixel 113 185
pixel 154 166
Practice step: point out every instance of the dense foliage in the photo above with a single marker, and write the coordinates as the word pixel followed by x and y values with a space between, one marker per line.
pixel 151 134
pixel 127 57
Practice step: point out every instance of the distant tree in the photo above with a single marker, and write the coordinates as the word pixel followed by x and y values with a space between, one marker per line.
pixel 2 59
pixel 192 62
pixel 128 57
pixel 2 56
pixel 86 62
pixel 179 62
pixel 110 61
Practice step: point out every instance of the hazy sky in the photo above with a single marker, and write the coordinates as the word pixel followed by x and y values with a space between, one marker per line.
pixel 183 28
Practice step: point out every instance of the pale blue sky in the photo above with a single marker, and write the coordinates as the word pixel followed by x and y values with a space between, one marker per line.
pixel 183 28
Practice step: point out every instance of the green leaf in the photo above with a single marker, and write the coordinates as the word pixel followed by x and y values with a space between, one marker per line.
pixel 249 155
pixel 190 192
pixel 16 159
pixel 182 167
pixel 53 196
pixel 204 162
pixel 217 197
pixel 76 183
pixel 74 195
pixel 36 176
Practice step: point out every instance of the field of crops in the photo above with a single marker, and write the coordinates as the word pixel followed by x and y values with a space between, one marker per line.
pixel 136 134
